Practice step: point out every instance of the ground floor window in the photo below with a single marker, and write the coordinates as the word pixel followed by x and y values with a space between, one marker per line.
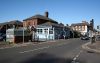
pixel 39 31
pixel 46 31
pixel 51 31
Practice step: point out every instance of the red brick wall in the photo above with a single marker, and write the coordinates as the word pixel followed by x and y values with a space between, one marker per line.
pixel 32 22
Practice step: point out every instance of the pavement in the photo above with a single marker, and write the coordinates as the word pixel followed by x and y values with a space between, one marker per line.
pixel 4 45
pixel 95 47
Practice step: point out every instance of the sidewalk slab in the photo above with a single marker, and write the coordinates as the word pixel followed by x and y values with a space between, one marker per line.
pixel 95 47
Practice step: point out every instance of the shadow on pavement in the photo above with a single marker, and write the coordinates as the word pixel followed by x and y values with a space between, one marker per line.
pixel 47 58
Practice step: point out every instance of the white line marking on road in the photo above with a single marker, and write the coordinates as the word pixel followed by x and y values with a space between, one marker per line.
pixel 75 58
pixel 40 48
pixel 34 49
pixel 77 55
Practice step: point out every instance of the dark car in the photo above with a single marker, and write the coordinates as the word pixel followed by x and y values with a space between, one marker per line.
pixel 84 38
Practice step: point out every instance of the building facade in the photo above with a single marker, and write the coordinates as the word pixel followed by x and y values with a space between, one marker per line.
pixel 83 27
pixel 37 20
pixel 52 31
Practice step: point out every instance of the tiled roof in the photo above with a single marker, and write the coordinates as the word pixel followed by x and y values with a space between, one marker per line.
pixel 40 17
pixel 50 24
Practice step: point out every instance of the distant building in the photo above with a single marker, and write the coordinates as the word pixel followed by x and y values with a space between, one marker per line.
pixel 83 27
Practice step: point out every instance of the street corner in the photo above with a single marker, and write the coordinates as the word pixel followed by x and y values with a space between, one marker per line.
pixel 90 48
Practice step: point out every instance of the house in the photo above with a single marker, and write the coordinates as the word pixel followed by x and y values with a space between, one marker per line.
pixel 83 27
pixel 37 20
pixel 7 25
pixel 51 31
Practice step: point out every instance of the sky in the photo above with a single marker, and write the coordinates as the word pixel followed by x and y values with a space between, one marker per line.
pixel 63 11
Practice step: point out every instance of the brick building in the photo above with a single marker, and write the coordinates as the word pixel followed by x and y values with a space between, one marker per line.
pixel 37 20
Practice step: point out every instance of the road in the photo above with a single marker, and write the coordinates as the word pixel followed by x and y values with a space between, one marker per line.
pixel 59 51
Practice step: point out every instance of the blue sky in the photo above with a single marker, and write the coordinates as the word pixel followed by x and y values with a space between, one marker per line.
pixel 65 11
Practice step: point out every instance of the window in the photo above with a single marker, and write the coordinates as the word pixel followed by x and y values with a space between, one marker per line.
pixel 83 28
pixel 39 31
pixel 51 31
pixel 76 28
pixel 46 31
pixel 79 28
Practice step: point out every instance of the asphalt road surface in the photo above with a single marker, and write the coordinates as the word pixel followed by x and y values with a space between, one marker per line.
pixel 59 51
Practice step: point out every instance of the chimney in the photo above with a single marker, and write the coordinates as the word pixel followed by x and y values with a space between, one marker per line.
pixel 46 14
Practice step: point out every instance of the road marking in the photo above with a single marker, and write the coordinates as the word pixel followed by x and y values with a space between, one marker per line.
pixel 77 55
pixel 40 48
pixel 75 58
pixel 34 49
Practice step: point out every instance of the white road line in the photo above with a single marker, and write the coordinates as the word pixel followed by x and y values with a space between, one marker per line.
pixel 40 48
pixel 77 55
pixel 34 49
pixel 75 58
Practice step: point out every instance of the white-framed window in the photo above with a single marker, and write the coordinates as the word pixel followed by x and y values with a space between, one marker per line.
pixel 39 31
pixel 51 31
pixel 46 31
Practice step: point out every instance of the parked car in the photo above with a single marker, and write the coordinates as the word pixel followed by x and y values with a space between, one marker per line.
pixel 84 38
